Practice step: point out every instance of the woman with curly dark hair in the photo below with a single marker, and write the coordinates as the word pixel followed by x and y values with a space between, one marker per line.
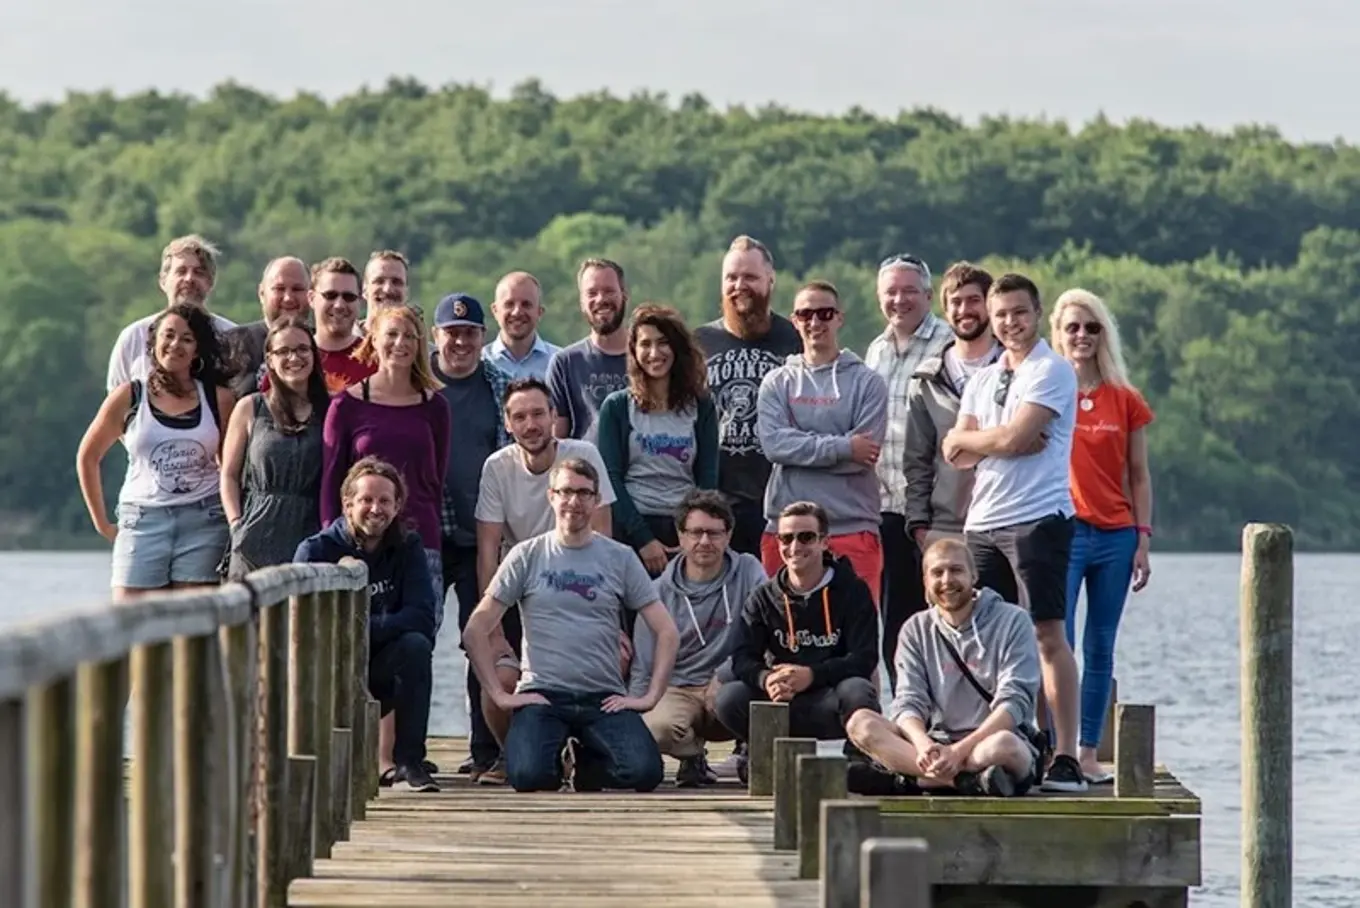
pixel 171 531
pixel 271 460
pixel 659 436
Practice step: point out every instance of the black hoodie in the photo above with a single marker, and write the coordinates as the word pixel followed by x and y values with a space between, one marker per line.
pixel 834 629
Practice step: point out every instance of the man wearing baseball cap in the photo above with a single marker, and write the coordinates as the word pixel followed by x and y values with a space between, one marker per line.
pixel 474 390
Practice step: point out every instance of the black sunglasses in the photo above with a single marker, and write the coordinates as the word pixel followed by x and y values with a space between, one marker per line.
pixel 806 537
pixel 821 313
pixel 1003 387
pixel 1092 328
pixel 331 296
pixel 905 259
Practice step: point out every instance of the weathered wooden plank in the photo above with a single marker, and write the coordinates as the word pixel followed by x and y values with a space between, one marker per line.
pixel 193 805
pixel 390 891
pixel 271 792
pixel 1054 851
pixel 101 691
pixel 1135 730
pixel 768 722
pixel 321 665
pixel 312 894
pixel 151 816
pixel 363 750
pixel 786 754
pixel 819 779
pixel 846 825
pixel 13 823
pixel 299 816
pixel 1068 805
pixel 243 671
pixel 895 873
pixel 49 790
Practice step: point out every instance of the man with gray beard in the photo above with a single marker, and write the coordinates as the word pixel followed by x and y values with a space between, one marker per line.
pixel 741 347
pixel 583 374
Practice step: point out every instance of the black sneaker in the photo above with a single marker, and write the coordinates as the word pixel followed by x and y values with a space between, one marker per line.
pixel 864 777
pixel 467 767
pixel 416 778
pixel 430 767
pixel 744 769
pixel 992 782
pixel 694 773
pixel 1064 775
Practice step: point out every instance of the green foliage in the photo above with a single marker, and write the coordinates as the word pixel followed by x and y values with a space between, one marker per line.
pixel 1232 260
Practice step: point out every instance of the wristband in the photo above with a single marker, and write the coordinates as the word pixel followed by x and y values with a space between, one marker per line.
pixel 1145 531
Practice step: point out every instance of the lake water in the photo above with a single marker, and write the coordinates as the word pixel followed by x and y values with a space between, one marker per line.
pixel 1178 649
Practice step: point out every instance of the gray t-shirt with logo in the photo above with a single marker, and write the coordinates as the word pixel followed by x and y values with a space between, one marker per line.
pixel 581 376
pixel 661 451
pixel 570 602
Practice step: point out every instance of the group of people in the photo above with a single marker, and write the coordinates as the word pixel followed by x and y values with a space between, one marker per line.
pixel 646 531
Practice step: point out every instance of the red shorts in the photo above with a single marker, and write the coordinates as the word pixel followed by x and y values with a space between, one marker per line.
pixel 864 551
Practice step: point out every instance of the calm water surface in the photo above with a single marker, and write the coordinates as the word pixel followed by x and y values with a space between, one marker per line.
pixel 1177 649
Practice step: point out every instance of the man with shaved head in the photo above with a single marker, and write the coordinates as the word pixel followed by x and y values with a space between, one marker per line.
pixel 283 294
pixel 519 351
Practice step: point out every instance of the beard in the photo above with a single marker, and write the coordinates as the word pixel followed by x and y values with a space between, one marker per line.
pixel 746 314
pixel 608 325
pixel 977 331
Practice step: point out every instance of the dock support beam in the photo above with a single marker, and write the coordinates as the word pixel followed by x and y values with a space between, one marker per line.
pixel 768 722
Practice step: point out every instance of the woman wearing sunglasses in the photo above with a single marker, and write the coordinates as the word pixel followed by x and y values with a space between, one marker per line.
pixel 1112 492
pixel 659 436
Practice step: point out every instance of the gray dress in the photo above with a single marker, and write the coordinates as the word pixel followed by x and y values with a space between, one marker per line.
pixel 281 491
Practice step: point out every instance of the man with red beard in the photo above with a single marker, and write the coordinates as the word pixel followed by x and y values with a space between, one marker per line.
pixel 283 294
pixel 741 347
pixel 583 374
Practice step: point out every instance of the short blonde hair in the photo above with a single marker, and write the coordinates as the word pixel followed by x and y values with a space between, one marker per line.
pixel 194 245
pixel 421 375
pixel 1109 348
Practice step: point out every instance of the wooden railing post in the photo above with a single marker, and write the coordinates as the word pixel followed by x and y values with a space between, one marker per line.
pixel 786 754
pixel 323 665
pixel 193 818
pixel 302 712
pixel 894 873
pixel 1135 735
pixel 15 825
pixel 271 791
pixel 242 662
pixel 845 827
pixel 301 812
pixel 97 865
pixel 360 744
pixel 151 830
pixel 768 721
pixel 346 702
pixel 819 779
pixel 49 790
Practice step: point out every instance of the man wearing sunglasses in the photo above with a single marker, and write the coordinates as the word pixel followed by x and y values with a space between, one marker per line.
pixel 283 293
pixel 822 417
pixel 335 301
pixel 808 637
pixel 1015 428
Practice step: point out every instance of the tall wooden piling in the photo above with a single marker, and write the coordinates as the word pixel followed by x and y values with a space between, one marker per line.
pixel 1267 666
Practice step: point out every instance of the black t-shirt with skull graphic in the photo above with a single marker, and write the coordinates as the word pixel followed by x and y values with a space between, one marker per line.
pixel 736 368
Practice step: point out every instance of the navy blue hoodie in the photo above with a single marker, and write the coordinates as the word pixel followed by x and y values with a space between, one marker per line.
pixel 400 592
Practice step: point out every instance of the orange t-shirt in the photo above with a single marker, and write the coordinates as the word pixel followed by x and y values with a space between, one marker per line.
pixel 1100 455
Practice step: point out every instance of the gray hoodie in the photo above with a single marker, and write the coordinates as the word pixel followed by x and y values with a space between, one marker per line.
pixel 704 613
pixel 805 417
pixel 998 644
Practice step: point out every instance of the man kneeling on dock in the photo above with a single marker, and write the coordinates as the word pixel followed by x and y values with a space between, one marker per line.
pixel 401 624
pixel 703 588
pixel 967 682
pixel 808 637
pixel 571 585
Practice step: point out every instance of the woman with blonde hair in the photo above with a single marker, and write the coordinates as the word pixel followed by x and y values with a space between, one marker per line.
pixel 1112 492
pixel 396 416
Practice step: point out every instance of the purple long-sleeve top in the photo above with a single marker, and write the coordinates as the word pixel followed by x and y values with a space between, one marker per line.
pixel 414 439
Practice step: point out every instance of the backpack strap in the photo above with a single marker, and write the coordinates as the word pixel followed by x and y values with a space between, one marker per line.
pixel 134 386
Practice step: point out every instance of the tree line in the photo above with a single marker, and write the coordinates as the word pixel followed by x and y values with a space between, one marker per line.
pixel 1231 259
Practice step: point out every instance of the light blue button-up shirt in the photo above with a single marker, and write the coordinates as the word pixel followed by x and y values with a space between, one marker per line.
pixel 534 363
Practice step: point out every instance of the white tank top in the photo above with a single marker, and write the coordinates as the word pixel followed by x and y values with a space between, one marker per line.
pixel 170 466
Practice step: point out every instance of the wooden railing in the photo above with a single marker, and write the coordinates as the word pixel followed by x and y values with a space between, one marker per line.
pixel 254 743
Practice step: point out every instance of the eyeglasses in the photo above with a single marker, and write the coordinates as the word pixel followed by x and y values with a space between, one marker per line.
pixel 1003 387
pixel 910 261
pixel 821 314
pixel 331 296
pixel 697 535
pixel 1092 328
pixel 806 537
pixel 302 351
pixel 578 494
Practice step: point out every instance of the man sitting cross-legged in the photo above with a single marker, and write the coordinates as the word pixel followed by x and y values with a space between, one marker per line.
pixel 815 620
pixel 401 601
pixel 571 585
pixel 703 588
pixel 940 730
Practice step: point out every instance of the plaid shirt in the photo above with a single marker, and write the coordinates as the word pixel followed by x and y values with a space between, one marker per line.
pixel 499 381
pixel 897 367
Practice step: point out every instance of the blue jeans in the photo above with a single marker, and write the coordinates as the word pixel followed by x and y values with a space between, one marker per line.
pixel 616 749
pixel 1103 559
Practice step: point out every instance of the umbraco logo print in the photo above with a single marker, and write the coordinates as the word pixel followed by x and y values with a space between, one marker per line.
pixel 180 465
pixel 583 585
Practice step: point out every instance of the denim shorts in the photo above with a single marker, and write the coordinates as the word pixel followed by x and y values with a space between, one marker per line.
pixel 158 545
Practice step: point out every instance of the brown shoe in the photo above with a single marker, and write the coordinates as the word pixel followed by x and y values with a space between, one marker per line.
pixel 493 775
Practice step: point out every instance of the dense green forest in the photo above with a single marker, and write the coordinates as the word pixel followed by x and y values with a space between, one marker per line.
pixel 1232 260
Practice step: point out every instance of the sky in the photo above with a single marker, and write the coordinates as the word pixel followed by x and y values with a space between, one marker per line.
pixel 1291 65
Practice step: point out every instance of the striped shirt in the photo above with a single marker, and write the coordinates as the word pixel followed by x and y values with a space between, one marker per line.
pixel 897 367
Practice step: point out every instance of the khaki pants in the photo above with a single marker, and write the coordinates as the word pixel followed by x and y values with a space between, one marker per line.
pixel 684 720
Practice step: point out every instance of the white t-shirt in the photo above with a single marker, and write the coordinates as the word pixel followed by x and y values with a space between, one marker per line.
pixel 510 495
pixel 1013 490
pixel 128 360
